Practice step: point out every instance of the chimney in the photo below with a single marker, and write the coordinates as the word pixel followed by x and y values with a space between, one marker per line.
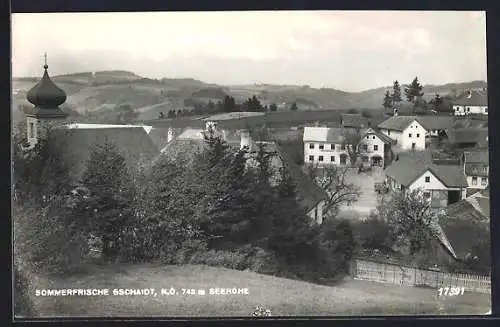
pixel 170 135
pixel 246 139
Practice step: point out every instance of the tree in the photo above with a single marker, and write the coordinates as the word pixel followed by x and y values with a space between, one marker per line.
pixel 437 103
pixel 353 111
pixel 332 179
pixel 294 107
pixel 273 107
pixel 229 104
pixel 411 219
pixel 109 205
pixel 387 100
pixel 396 92
pixel 253 105
pixel 351 141
pixel 414 90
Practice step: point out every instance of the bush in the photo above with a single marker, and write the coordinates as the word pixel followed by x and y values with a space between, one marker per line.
pixel 45 237
pixel 373 233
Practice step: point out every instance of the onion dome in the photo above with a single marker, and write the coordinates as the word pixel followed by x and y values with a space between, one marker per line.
pixel 45 94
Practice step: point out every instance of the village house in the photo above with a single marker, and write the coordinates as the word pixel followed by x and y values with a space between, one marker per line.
pixel 376 148
pixel 476 170
pixel 406 131
pixel 472 103
pixel 436 126
pixel 325 145
pixel 442 184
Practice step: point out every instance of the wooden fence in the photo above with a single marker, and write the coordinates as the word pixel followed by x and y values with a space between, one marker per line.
pixel 408 276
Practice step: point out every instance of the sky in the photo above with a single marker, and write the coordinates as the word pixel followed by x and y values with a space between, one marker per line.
pixel 350 51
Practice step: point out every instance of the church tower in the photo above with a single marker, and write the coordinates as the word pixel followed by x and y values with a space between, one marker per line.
pixel 46 98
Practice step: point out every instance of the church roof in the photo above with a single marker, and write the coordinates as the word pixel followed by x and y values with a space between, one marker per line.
pixel 46 97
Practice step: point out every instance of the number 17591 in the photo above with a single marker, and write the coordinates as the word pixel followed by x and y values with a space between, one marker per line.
pixel 451 291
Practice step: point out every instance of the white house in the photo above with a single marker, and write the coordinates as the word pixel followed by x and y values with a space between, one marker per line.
pixel 375 148
pixel 474 102
pixel 324 145
pixel 406 131
pixel 442 184
pixel 476 170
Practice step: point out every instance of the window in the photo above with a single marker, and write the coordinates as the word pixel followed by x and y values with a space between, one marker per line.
pixel 484 181
pixel 332 146
pixel 320 158
pixel 388 132
pixel 332 158
pixel 413 145
pixel 367 137
pixel 486 109
pixel 375 147
pixel 321 146
pixel 32 130
pixel 474 180
pixel 373 137
pixel 409 135
pixel 427 195
pixel 311 158
pixel 342 147
pixel 468 109
pixel 311 146
pixel 427 179
pixel 418 135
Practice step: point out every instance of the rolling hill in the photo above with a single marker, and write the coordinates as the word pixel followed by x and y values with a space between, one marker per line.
pixel 90 91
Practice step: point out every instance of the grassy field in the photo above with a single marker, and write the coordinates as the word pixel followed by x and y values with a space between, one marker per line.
pixel 284 297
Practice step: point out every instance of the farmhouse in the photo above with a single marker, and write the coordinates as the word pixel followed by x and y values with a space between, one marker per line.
pixel 441 184
pixel 476 170
pixel 472 103
pixel 436 126
pixel 376 148
pixel 406 131
pixel 324 145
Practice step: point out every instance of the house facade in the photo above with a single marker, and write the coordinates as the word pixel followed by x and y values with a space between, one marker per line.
pixel 375 148
pixel 476 170
pixel 406 131
pixel 441 184
pixel 324 146
pixel 473 103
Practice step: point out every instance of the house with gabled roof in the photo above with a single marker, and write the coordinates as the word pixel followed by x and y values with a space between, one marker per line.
pixel 441 184
pixel 376 148
pixel 407 132
pixel 471 103
pixel 476 170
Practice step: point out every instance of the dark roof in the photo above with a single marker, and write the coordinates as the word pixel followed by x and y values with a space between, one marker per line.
pixel 46 97
pixel 482 157
pixel 184 122
pixel 408 168
pixel 382 136
pixel 397 123
pixel 132 142
pixel 354 120
pixel 474 98
pixel 463 220
pixel 468 135
pixel 436 122
pixel 309 193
